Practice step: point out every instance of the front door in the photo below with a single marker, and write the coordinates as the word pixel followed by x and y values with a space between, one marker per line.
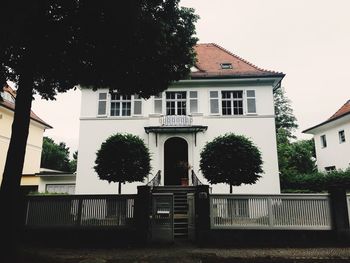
pixel 175 161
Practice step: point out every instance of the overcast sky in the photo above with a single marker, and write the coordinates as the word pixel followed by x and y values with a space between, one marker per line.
pixel 309 41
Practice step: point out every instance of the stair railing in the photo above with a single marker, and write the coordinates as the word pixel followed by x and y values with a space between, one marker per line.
pixel 155 180
pixel 195 180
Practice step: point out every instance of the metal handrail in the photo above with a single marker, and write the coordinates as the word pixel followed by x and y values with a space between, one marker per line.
pixel 156 180
pixel 195 180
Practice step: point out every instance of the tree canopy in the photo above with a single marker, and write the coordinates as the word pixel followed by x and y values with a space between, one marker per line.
pixel 231 159
pixel 284 117
pixel 56 156
pixel 123 158
pixel 53 46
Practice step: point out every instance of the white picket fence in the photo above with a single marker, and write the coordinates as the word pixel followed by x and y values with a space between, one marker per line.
pixel 285 211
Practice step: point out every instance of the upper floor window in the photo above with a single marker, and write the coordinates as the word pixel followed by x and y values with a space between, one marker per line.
pixel 323 141
pixel 118 105
pixel 341 135
pixel 176 103
pixel 232 102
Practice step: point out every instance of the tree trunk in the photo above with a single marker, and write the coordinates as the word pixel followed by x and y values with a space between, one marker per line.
pixel 11 218
pixel 120 188
pixel 230 188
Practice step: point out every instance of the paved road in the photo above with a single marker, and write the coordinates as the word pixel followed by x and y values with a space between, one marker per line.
pixel 188 255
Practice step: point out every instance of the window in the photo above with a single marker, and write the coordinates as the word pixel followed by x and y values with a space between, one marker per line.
pixel 323 141
pixel 193 101
pixel 120 105
pixel 341 136
pixel 176 103
pixel 158 103
pixel 214 102
pixel 60 188
pixel 330 168
pixel 226 65
pixel 102 104
pixel 232 102
pixel 251 105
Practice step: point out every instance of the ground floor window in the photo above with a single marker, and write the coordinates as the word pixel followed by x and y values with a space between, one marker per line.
pixel 60 188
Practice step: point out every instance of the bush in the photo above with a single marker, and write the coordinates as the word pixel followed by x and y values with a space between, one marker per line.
pixel 316 182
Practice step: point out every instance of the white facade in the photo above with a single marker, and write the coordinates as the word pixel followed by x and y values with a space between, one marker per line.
pixel 259 126
pixel 335 154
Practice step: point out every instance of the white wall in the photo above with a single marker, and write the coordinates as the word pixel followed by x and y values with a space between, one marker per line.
pixel 337 154
pixel 259 127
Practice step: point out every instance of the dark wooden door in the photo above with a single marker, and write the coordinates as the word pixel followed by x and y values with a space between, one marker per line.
pixel 175 161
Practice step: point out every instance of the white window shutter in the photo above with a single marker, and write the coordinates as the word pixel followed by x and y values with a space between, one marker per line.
pixel 102 104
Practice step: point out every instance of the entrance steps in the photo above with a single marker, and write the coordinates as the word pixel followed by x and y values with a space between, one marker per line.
pixel 180 207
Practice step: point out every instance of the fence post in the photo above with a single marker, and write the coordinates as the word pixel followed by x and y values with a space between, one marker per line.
pixel 339 213
pixel 202 205
pixel 142 209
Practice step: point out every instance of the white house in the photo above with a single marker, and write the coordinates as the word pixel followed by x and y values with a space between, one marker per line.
pixel 223 94
pixel 332 140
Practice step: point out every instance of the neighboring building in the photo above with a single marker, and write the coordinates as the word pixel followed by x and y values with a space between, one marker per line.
pixel 223 94
pixel 53 181
pixel 332 140
pixel 37 127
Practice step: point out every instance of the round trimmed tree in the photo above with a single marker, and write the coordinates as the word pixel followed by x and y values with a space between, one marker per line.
pixel 231 159
pixel 123 158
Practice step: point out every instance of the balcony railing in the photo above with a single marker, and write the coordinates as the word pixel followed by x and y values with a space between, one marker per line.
pixel 175 120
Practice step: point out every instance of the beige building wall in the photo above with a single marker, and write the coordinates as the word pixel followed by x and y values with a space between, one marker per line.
pixel 34 145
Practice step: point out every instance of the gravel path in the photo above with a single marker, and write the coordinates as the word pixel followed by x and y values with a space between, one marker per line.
pixel 189 254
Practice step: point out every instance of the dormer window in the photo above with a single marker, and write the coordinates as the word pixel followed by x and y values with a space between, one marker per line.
pixel 226 65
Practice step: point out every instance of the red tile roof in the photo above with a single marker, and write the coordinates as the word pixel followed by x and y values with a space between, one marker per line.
pixel 11 106
pixel 211 56
pixel 344 110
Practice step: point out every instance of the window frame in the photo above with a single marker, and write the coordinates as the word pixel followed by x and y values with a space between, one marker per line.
pixel 176 100
pixel 232 99
pixel 245 99
pixel 341 136
pixel 68 184
pixel 250 98
pixel 323 139
pixel 120 101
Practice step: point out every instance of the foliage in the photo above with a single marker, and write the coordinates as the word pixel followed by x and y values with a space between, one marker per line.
pixel 296 157
pixel 285 119
pixel 316 182
pixel 231 159
pixel 293 156
pixel 56 156
pixel 53 46
pixel 123 158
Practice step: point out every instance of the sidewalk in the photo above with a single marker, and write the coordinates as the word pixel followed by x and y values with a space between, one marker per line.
pixel 188 254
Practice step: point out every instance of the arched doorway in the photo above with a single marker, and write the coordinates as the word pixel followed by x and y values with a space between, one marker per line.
pixel 175 161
